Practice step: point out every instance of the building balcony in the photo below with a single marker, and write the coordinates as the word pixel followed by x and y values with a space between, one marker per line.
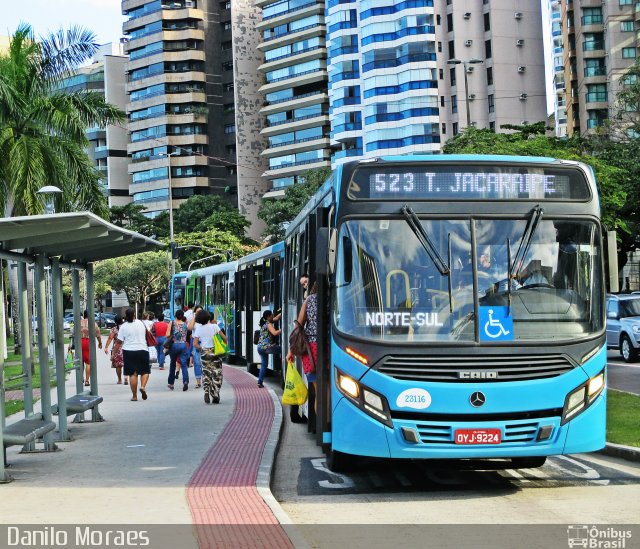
pixel 128 5
pixel 295 168
pixel 317 52
pixel 599 98
pixel 296 102
pixel 346 154
pixel 166 56
pixel 637 11
pixel 165 35
pixel 163 119
pixel 595 73
pixel 308 77
pixel 298 146
pixel 291 15
pixel 170 140
pixel 300 123
pixel 276 41
pixel 593 45
pixel 157 161
pixel 172 98
pixel 166 78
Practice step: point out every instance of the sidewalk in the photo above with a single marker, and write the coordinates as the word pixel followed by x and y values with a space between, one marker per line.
pixel 169 460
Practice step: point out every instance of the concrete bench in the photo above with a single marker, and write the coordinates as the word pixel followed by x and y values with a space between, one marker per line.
pixel 26 430
pixel 81 403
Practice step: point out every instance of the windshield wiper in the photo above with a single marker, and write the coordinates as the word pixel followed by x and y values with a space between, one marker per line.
pixel 425 240
pixel 525 242
pixel 508 277
pixel 423 237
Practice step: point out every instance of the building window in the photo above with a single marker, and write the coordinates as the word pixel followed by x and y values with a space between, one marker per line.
pixel 626 26
pixel 229 128
pixel 442 100
pixel 444 129
pixel 628 53
pixel 227 65
pixel 487 22
pixel 226 46
pixel 491 103
pixel 487 49
pixel 454 104
pixel 449 22
pixel 452 50
pixel 441 74
pixel 489 76
pixel 627 2
pixel 455 128
pixel 492 126
pixel 226 25
pixel 452 75
pixel 439 47
pixel 438 20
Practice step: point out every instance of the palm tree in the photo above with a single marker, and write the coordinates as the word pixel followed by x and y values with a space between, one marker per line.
pixel 42 128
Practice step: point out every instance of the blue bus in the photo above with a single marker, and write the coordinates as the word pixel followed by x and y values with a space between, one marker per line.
pixel 462 308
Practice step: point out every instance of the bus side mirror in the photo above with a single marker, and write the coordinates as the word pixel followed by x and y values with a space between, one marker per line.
pixel 326 251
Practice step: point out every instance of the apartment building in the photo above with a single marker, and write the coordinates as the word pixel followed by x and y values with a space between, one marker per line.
pixel 401 76
pixel 295 96
pixel 599 47
pixel 108 145
pixel 193 102
pixel 559 85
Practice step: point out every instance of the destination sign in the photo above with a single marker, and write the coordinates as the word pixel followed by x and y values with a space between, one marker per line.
pixel 466 182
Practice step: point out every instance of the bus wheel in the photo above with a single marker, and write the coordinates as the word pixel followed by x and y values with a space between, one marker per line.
pixel 339 462
pixel 528 462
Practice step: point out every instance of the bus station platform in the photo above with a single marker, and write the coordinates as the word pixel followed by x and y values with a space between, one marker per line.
pixel 191 474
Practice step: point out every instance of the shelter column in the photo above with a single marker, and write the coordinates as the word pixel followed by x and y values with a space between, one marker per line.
pixel 43 349
pixel 58 345
pixel 4 476
pixel 77 341
pixel 25 336
pixel 91 308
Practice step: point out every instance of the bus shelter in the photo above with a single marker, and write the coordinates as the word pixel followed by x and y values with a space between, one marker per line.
pixel 47 245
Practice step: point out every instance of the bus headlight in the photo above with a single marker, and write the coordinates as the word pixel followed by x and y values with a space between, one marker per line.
pixel 369 401
pixel 581 398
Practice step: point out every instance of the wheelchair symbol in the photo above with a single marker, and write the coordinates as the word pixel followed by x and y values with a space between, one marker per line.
pixel 494 328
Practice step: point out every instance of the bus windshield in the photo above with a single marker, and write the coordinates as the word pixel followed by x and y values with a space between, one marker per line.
pixel 388 287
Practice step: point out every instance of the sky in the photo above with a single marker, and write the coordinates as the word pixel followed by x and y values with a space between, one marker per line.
pixel 104 18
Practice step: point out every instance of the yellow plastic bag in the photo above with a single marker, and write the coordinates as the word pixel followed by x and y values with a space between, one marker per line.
pixel 295 391
pixel 219 346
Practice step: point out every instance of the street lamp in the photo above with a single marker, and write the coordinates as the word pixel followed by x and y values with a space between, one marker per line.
pixel 172 244
pixel 466 64
pixel 48 194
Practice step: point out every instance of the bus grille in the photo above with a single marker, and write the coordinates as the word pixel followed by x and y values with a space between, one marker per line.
pixel 443 434
pixel 449 368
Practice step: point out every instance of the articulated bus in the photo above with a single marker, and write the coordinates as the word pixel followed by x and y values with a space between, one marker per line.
pixel 462 308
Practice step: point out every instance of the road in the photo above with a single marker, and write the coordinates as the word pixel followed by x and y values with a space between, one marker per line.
pixel 623 376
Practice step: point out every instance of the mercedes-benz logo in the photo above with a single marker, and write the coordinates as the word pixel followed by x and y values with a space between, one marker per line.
pixel 477 399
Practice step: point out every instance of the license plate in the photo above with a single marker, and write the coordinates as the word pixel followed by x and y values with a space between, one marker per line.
pixel 478 436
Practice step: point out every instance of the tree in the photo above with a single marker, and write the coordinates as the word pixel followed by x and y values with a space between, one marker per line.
pixel 200 213
pixel 211 247
pixel 140 276
pixel 277 212
pixel 42 129
pixel 130 217
pixel 610 179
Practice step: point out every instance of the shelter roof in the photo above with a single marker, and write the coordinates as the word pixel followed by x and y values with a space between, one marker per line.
pixel 80 237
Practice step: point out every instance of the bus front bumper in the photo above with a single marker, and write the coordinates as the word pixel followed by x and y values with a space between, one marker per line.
pixel 357 433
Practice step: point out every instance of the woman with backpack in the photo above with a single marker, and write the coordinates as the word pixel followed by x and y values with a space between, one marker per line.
pixel 268 342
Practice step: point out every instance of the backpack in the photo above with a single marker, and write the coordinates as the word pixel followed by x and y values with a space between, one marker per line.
pixel 256 337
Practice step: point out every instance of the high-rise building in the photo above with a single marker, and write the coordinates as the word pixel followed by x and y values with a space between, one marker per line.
pixel 403 76
pixel 193 102
pixel 107 146
pixel 599 47
pixel 559 85
pixel 295 95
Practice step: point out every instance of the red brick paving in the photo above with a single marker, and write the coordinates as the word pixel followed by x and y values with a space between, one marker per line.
pixel 225 504
pixel 19 394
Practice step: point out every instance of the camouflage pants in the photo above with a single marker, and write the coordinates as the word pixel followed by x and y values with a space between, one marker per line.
pixel 211 372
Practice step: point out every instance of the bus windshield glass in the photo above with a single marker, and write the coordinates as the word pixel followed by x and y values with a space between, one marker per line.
pixel 388 287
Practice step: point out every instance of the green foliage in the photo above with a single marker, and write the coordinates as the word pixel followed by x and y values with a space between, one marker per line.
pixel 140 276
pixel 211 247
pixel 130 217
pixel 623 410
pixel 201 213
pixel 42 130
pixel 610 178
pixel 278 211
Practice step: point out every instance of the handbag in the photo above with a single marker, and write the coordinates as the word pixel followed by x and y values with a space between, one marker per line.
pixel 298 343
pixel 295 391
pixel 169 341
pixel 256 337
pixel 219 346
pixel 151 340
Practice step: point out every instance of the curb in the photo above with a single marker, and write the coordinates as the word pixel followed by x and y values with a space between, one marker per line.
pixel 630 453
pixel 263 480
